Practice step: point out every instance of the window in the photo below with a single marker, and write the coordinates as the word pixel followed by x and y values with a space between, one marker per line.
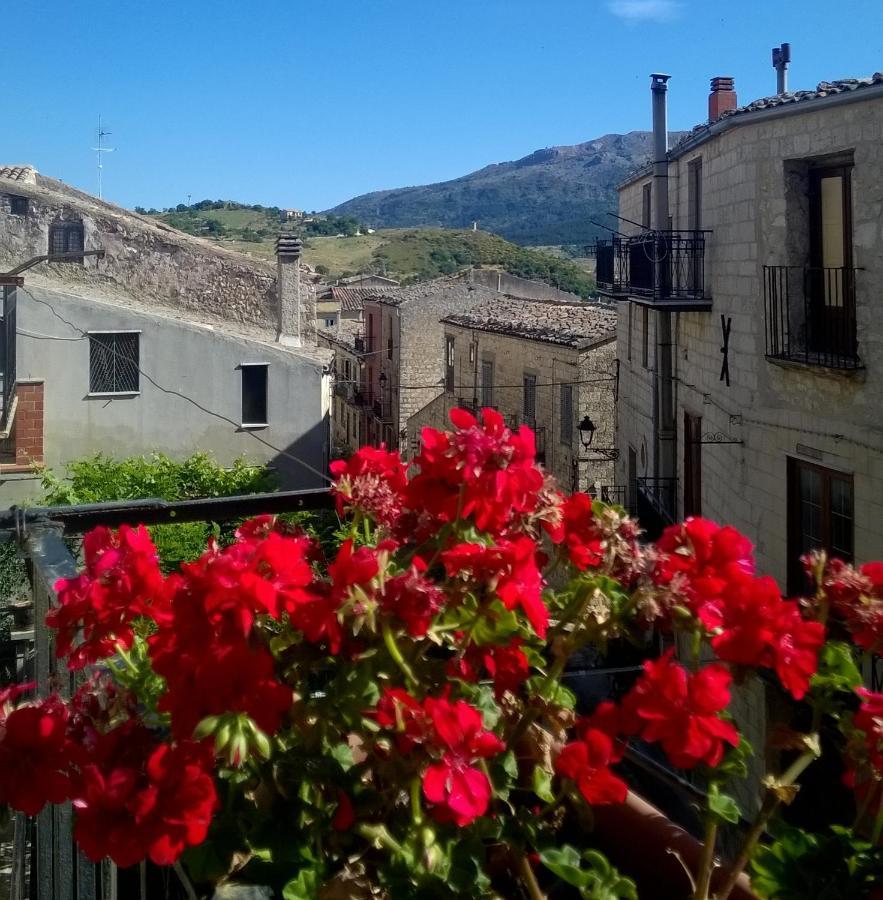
pixel 487 382
pixel 389 346
pixel 694 194
pixel 329 322
pixel 645 337
pixel 472 353
pixel 631 311
pixel 18 206
pixel 66 237
pixel 692 465
pixel 529 407
pixel 113 362
pixel 567 414
pixel 820 516
pixel 449 363
pixel 646 194
pixel 254 394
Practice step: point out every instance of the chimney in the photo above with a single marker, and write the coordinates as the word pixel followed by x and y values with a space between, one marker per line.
pixel 722 97
pixel 659 195
pixel 781 61
pixel 288 318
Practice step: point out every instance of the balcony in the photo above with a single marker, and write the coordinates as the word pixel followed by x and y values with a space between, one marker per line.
pixel 657 503
pixel 810 316
pixel 663 269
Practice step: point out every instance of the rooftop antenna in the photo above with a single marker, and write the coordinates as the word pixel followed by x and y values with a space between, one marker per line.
pixel 102 134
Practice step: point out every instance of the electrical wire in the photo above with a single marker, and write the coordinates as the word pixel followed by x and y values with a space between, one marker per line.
pixel 84 335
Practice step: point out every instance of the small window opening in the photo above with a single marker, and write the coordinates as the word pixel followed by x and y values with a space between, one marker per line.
pixel 254 394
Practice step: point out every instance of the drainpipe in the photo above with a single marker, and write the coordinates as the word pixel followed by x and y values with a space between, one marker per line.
pixel 664 464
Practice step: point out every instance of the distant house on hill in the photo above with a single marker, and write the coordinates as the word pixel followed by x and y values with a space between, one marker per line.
pixel 369 281
pixel 127 336
pixel 291 215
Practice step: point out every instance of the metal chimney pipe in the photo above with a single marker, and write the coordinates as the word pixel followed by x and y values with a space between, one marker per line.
pixel 781 61
pixel 659 89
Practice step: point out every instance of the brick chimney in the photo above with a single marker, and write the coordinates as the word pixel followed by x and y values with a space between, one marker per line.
pixel 288 318
pixel 722 97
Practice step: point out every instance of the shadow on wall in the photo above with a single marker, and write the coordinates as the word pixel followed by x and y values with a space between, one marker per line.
pixel 312 448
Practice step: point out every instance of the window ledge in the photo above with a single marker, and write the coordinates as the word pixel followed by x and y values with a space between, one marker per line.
pixel 253 426
pixel 111 394
pixel 856 373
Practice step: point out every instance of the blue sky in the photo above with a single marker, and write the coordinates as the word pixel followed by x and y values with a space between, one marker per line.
pixel 306 104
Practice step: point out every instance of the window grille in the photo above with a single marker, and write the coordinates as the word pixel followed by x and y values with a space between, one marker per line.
pixel 18 206
pixel 66 237
pixel 567 414
pixel 530 398
pixel 113 362
pixel 487 383
pixel 449 363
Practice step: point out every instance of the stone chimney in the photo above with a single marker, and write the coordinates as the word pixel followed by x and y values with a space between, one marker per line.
pixel 288 290
pixel 722 97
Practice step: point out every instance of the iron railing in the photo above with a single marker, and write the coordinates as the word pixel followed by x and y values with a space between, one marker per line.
pixel 660 494
pixel 9 335
pixel 663 267
pixel 616 494
pixel 810 315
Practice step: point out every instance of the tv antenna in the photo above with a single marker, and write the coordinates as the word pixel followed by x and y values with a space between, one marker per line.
pixel 102 134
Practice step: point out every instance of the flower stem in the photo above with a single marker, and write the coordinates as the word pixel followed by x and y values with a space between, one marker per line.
pixel 529 878
pixel 706 864
pixel 378 834
pixel 416 810
pixel 396 654
pixel 185 881
pixel 529 715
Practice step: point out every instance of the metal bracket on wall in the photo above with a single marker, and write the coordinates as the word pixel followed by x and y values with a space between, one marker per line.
pixel 726 324
pixel 603 454
pixel 716 437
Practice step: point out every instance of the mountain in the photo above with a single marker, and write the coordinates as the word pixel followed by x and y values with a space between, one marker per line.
pixel 548 197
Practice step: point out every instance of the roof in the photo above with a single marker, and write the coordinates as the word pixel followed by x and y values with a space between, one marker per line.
pixel 24 174
pixel 839 91
pixel 577 325
pixel 351 299
pixel 344 334
pixel 381 279
pixel 439 290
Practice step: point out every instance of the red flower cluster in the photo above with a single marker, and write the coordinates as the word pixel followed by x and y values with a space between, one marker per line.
pixel 482 472
pixel 37 756
pixel 453 735
pixel 140 799
pixel 857 596
pixel 595 538
pixel 372 481
pixel 412 598
pixel 681 711
pixel 121 582
pixel 507 665
pixel 587 763
pixel 754 626
pixel 508 569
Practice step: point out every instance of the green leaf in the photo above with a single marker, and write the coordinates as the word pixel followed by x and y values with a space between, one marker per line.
pixel 304 887
pixel 565 863
pixel 542 784
pixel 837 671
pixel 343 753
pixel 723 806
pixel 554 693
pixel 509 764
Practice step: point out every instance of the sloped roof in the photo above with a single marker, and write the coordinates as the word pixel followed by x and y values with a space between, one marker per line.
pixel 438 291
pixel 352 299
pixel 569 324
pixel 344 333
pixel 25 174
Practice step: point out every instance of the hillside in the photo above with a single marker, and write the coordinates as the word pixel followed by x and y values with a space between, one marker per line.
pixel 548 197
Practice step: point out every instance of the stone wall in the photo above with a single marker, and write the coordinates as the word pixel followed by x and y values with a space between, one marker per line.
pixel 145 258
pixel 590 373
pixel 777 411
pixel 504 283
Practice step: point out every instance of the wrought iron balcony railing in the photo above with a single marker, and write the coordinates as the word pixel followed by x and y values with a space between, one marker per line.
pixel 810 315
pixel 662 268
pixel 661 495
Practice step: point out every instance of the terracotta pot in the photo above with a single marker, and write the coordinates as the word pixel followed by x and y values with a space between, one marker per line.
pixel 637 837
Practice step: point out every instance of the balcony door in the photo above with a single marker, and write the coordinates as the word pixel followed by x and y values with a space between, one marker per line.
pixel 831 289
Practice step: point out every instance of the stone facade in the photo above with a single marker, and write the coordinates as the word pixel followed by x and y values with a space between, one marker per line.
pixel 348 411
pixel 774 410
pixel 588 372
pixel 404 361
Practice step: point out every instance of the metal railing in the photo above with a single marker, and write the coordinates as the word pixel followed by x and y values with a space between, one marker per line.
pixel 661 495
pixel 660 266
pixel 616 494
pixel 810 315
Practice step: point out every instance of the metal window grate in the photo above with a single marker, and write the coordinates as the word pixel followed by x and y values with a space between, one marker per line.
pixel 487 383
pixel 66 237
pixel 113 363
pixel 18 206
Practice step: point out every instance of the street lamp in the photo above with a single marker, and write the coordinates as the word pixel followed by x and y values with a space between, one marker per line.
pixel 586 432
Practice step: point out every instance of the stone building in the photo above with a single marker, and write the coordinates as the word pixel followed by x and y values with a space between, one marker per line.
pixel 149 340
pixel 750 331
pixel 348 410
pixel 335 304
pixel 548 365
pixel 404 352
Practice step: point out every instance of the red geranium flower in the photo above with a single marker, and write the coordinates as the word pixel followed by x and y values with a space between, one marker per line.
pixel 681 711
pixel 398 710
pixel 587 763
pixel 373 481
pixel 121 582
pixel 140 799
pixel 857 597
pixel 36 756
pixel 412 598
pixel 509 569
pixel 459 791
